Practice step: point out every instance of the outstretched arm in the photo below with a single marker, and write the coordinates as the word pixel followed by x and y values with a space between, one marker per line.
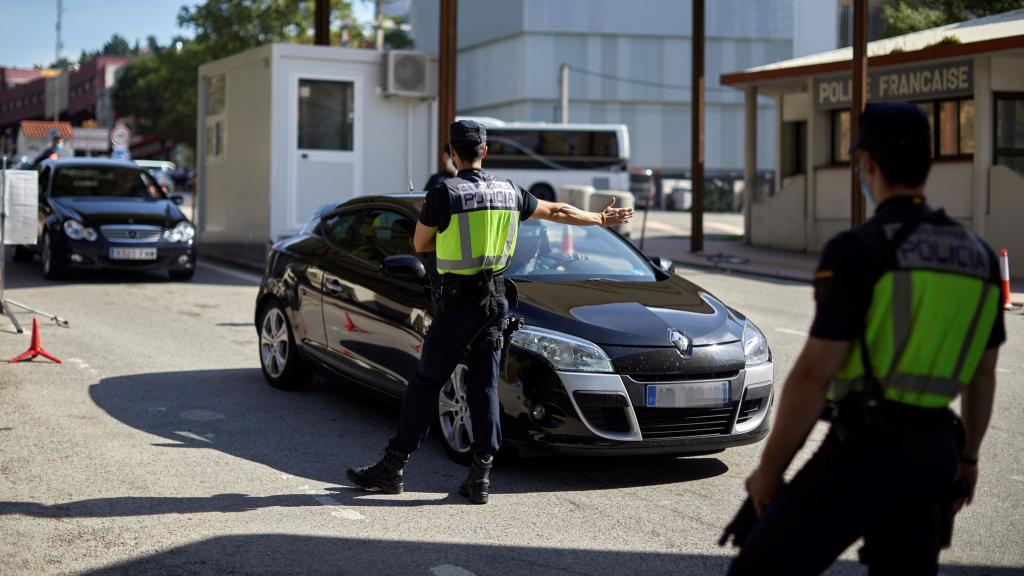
pixel 569 214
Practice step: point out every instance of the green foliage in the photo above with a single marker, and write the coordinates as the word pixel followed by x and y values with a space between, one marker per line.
pixel 905 16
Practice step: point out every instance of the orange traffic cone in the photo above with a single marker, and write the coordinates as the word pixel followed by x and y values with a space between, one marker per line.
pixel 567 245
pixel 36 349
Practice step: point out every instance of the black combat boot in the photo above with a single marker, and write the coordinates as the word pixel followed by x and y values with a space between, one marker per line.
pixel 386 475
pixel 476 484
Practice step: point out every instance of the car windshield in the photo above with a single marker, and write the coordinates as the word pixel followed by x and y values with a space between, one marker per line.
pixel 546 251
pixel 106 181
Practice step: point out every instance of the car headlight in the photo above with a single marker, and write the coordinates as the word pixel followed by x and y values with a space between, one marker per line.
pixel 755 346
pixel 563 351
pixel 74 230
pixel 183 232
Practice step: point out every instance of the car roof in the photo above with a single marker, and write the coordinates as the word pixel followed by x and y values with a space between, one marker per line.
pixel 409 200
pixel 90 162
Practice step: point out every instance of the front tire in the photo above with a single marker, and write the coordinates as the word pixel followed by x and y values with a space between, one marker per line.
pixel 183 275
pixel 453 421
pixel 23 254
pixel 52 261
pixel 279 358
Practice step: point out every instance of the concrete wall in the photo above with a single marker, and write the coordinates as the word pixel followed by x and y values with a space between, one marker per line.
pixel 778 219
pixel 1007 215
pixel 950 186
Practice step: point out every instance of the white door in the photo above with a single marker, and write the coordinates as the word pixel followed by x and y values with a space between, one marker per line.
pixel 324 162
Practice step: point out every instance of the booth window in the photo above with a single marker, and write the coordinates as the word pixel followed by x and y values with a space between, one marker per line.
pixel 794 148
pixel 1009 132
pixel 326 115
pixel 216 117
pixel 951 123
pixel 840 136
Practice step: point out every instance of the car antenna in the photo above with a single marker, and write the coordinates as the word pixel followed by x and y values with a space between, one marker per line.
pixel 410 186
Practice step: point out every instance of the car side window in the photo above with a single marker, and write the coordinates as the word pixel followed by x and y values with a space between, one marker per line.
pixel 383 233
pixel 337 229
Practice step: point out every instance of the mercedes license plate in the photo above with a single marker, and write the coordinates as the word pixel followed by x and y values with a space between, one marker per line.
pixel 688 395
pixel 133 253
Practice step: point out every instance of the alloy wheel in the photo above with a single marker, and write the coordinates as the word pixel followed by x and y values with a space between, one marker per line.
pixel 453 412
pixel 274 342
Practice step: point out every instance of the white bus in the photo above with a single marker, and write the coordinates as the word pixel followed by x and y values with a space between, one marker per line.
pixel 542 157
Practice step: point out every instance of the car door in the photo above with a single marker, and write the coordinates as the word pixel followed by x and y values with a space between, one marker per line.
pixel 309 274
pixel 388 317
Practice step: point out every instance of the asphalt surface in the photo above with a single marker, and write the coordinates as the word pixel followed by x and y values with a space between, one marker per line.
pixel 157 448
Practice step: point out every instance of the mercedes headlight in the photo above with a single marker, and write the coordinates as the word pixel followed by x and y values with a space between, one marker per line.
pixel 755 346
pixel 563 351
pixel 74 230
pixel 183 232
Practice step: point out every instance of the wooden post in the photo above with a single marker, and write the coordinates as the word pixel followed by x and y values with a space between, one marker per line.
pixel 697 131
pixel 322 23
pixel 446 85
pixel 860 98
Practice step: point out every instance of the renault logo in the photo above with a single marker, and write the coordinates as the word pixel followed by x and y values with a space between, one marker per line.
pixel 680 342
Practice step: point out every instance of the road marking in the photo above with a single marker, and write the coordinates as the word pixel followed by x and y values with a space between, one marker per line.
pixel 348 514
pixel 449 570
pixel 191 436
pixel 793 332
pixel 1003 370
pixel 326 500
pixel 247 276
pixel 201 415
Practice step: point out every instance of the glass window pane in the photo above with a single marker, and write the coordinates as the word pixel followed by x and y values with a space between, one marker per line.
pixel 1012 162
pixel 325 115
pixel 947 128
pixel 383 234
pixel 1009 123
pixel 215 95
pixel 841 136
pixel 336 229
pixel 967 126
pixel 929 110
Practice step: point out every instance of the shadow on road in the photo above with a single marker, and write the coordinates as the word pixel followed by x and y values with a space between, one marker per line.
pixel 28 275
pixel 318 432
pixel 311 555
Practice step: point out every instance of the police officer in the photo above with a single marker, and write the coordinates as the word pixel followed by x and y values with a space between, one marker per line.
pixel 470 221
pixel 53 152
pixel 907 318
pixel 439 177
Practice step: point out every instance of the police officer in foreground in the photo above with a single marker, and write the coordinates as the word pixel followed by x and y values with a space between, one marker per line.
pixel 907 318
pixel 470 221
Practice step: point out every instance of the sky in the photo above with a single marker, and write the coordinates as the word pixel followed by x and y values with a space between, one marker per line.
pixel 28 35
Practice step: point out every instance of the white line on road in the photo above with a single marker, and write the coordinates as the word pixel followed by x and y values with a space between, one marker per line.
pixel 191 435
pixel 247 276
pixel 348 514
pixel 449 570
pixel 1003 370
pixel 793 332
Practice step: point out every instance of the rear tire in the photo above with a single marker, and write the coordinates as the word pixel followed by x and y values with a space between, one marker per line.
pixel 279 358
pixel 543 192
pixel 23 254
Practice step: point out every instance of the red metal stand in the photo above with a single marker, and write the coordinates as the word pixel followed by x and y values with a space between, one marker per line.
pixel 36 349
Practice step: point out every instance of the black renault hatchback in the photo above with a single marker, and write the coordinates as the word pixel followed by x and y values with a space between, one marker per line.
pixel 619 355
pixel 103 213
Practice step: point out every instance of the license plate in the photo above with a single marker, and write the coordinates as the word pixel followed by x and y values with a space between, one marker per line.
pixel 133 253
pixel 688 395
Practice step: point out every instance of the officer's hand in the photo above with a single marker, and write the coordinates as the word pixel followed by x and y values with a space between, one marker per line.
pixel 612 216
pixel 763 487
pixel 971 474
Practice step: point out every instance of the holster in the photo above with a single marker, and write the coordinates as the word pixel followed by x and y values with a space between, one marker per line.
pixel 480 290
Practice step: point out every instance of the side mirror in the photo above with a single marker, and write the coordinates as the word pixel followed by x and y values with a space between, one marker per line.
pixel 404 267
pixel 664 264
pixel 177 200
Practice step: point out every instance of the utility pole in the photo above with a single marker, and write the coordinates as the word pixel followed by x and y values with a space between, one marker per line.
pixel 60 37
pixel 322 23
pixel 860 98
pixel 378 24
pixel 57 56
pixel 697 131
pixel 446 85
pixel 565 93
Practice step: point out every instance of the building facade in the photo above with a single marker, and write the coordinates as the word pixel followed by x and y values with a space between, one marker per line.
pixel 966 77
pixel 629 63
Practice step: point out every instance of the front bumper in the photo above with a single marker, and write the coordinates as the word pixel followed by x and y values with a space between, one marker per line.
pixel 606 415
pixel 81 255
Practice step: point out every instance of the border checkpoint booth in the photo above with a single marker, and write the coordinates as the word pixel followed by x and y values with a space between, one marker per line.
pixel 284 129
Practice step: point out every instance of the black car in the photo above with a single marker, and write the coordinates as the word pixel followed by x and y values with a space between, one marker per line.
pixel 108 214
pixel 619 355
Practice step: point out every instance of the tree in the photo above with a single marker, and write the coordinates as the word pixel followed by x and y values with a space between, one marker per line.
pixel 905 16
pixel 117 46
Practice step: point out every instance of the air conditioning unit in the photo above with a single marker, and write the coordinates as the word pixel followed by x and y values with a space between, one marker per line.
pixel 407 74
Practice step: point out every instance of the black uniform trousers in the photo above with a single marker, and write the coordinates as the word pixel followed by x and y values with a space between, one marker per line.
pixel 887 487
pixel 467 331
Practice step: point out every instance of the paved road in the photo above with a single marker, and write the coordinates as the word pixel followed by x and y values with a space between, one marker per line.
pixel 156 448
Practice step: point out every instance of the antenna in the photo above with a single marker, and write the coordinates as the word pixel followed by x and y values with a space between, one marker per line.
pixel 60 38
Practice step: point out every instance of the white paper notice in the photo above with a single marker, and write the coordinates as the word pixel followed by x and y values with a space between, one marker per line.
pixel 21 205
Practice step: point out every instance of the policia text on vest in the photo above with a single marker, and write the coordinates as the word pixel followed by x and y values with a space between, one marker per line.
pixel 471 221
pixel 907 318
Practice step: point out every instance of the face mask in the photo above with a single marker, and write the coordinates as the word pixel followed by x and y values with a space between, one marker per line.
pixel 864 189
pixel 59 146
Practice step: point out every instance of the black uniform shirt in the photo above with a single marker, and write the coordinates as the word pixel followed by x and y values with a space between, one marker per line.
pixel 854 261
pixel 437 207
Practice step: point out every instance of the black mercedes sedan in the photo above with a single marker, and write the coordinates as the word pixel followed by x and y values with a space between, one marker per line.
pixel 618 355
pixel 101 213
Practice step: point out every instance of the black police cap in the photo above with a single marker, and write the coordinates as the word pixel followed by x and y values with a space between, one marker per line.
pixel 893 128
pixel 467 131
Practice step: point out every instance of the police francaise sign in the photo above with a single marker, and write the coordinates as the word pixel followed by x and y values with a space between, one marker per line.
pixel 926 82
